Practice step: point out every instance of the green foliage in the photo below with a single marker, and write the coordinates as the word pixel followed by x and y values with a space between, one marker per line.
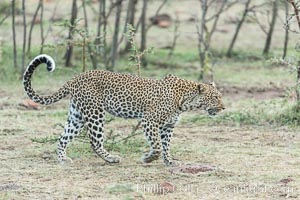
pixel 238 55
pixel 129 144
pixel 243 117
pixel 120 188
pixel 7 72
pixel 290 116
pixel 48 139
pixel 136 56
pixel 268 113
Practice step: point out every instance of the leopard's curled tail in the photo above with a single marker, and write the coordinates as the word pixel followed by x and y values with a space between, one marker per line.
pixel 61 93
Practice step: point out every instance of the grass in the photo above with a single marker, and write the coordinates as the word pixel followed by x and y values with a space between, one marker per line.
pixel 250 113
pixel 254 143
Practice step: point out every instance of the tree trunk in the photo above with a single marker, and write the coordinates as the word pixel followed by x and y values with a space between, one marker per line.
pixel 298 86
pixel 143 32
pixel 69 51
pixel 31 27
pixel 296 13
pixel 13 10
pixel 175 37
pixel 286 37
pixel 90 50
pixel 24 37
pixel 104 42
pixel 201 40
pixel 130 19
pixel 97 41
pixel 42 27
pixel 238 28
pixel 114 50
pixel 271 29
pixel 100 41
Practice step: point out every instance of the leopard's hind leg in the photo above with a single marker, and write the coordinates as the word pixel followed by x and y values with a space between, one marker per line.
pixel 94 121
pixel 72 128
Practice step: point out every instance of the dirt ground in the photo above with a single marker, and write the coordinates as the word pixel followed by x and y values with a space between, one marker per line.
pixel 243 162
pixel 260 162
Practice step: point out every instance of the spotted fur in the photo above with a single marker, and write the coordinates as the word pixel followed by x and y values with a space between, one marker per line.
pixel 157 103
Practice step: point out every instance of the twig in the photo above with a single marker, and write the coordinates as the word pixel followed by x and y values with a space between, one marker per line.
pixel 132 134
pixel 261 26
pixel 296 11
pixel 4 18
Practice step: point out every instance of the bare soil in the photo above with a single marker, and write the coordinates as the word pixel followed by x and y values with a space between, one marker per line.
pixel 257 93
pixel 218 162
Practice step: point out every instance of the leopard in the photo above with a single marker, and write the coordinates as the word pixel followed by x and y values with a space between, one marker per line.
pixel 156 103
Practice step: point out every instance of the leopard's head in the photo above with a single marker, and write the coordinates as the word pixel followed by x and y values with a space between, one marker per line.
pixel 207 97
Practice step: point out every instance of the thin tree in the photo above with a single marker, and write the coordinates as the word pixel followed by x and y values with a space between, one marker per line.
pixel 238 28
pixel 271 29
pixel 114 48
pixel 143 32
pixel 175 37
pixel 286 35
pixel 101 27
pixel 31 27
pixel 69 51
pixel 43 38
pixel 205 34
pixel 296 9
pixel 90 50
pixel 202 46
pixel 24 36
pixel 13 11
pixel 129 20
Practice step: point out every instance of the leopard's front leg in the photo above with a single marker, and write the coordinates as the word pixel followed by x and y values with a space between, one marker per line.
pixel 166 134
pixel 152 134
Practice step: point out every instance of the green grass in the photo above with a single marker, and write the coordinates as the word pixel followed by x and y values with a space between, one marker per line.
pixel 265 113
pixel 137 144
pixel 242 71
pixel 252 142
pixel 120 188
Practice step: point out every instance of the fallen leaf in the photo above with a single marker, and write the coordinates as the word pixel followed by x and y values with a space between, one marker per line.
pixel 286 180
pixel 30 105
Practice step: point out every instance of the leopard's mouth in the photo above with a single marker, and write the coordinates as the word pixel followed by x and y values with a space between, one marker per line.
pixel 214 111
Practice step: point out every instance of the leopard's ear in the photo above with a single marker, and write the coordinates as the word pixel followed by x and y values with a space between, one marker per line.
pixel 213 84
pixel 201 88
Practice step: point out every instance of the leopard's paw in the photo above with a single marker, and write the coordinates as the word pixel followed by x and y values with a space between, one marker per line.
pixel 149 157
pixel 65 159
pixel 172 163
pixel 112 159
